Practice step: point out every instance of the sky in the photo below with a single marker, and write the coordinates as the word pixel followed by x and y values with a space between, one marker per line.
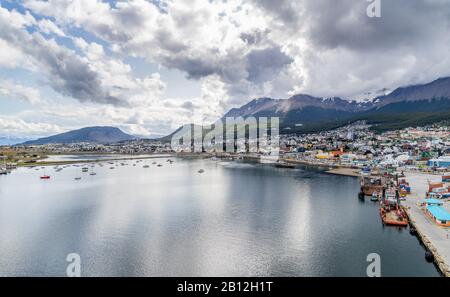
pixel 150 66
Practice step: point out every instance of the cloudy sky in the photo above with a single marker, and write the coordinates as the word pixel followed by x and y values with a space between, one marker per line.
pixel 148 66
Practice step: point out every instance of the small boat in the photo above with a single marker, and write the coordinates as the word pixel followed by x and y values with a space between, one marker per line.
pixel 375 197
pixel 201 171
pixel 159 165
pixel 146 166
pixel 45 177
pixel 77 178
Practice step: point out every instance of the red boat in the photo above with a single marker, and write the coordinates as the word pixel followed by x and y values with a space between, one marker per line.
pixel 45 177
pixel 393 215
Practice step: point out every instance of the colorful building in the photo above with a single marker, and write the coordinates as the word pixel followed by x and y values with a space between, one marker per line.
pixel 440 162
pixel 435 210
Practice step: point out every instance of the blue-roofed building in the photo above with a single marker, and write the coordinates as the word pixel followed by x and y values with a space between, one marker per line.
pixel 441 162
pixel 435 211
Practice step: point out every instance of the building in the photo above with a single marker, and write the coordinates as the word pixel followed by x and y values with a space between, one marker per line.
pixel 440 162
pixel 435 210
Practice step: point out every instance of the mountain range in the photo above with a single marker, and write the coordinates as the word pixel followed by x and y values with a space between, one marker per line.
pixel 101 135
pixel 414 105
pixel 405 106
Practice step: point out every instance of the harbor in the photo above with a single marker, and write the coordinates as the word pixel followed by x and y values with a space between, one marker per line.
pixel 261 220
pixel 416 199
pixel 435 238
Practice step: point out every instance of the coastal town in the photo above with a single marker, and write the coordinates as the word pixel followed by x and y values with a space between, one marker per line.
pixel 406 171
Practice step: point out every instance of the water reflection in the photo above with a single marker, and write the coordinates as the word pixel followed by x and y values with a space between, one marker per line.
pixel 236 219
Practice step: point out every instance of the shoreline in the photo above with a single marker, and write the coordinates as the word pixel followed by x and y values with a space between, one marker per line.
pixel 44 163
pixel 435 239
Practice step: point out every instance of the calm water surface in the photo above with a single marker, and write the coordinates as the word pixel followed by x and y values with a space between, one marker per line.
pixel 236 219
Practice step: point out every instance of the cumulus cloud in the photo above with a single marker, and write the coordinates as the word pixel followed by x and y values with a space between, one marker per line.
pixel 236 49
pixel 200 38
pixel 13 90
pixel 18 127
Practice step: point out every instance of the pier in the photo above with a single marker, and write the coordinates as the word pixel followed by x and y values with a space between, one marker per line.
pixel 435 238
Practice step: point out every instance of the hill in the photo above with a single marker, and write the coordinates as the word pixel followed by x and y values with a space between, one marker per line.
pixel 99 135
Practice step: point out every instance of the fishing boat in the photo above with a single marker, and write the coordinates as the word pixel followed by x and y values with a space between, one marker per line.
pixel 393 215
pixel 370 185
pixel 284 165
pixel 201 171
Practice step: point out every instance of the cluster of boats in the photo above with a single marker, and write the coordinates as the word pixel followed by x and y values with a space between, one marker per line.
pixel 388 190
pixel 90 169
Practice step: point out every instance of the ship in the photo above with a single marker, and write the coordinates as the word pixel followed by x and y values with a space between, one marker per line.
pixel 284 165
pixel 391 213
pixel 371 185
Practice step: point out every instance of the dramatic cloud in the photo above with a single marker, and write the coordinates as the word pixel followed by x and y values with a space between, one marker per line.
pixel 96 51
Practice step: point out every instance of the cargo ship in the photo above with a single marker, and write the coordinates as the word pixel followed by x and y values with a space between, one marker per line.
pixel 391 213
pixel 371 185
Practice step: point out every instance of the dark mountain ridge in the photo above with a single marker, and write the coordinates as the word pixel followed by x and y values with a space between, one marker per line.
pixel 99 135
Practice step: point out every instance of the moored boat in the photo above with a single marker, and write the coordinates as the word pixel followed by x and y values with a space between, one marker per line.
pixel 375 197
pixel 393 216
pixel 371 185
pixel 284 165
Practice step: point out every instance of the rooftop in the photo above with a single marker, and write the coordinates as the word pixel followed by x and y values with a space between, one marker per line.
pixel 439 213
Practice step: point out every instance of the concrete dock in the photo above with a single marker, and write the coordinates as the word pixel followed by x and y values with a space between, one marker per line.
pixel 435 238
